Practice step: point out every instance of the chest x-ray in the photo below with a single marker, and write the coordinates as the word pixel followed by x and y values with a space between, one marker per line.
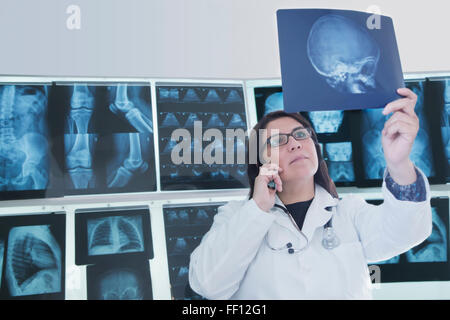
pixel 33 261
pixel 118 234
pixel 331 59
pixel 372 124
pixel 24 152
pixel 216 162
pixel 119 282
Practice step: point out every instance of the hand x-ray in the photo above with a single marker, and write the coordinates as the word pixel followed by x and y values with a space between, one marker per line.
pixel 109 233
pixel 193 161
pixel 337 59
pixel 429 260
pixel 185 226
pixel 34 257
pixel 108 137
pixel 119 281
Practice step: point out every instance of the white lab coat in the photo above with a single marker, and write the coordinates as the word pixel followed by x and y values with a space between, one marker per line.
pixel 234 260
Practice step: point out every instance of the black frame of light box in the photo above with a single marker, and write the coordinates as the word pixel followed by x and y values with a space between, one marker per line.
pixel 82 217
pixel 405 271
pixel 57 223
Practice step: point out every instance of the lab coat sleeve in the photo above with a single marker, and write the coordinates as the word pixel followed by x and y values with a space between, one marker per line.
pixel 393 227
pixel 219 263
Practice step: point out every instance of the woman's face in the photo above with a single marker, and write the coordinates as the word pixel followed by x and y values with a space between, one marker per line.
pixel 298 158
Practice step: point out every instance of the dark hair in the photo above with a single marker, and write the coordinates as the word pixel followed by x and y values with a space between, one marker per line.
pixel 321 177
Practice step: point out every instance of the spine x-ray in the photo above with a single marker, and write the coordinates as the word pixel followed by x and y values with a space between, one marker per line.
pixel 24 145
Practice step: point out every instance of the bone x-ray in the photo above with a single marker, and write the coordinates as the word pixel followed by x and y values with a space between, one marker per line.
pixel 185 226
pixel 105 235
pixel 108 137
pixel 205 155
pixel 429 260
pixel 119 281
pixel 331 59
pixel 33 257
pixel 339 159
pixel 26 157
pixel 267 100
pixel 372 156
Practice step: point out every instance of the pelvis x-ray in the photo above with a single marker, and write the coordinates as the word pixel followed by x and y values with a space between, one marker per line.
pixel 119 282
pixel 339 161
pixel 373 123
pixel 33 261
pixel 117 234
pixel 24 154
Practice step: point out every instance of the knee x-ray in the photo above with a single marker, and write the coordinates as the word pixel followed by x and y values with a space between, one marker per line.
pixel 24 138
pixel 34 257
pixel 119 281
pixel 108 137
pixel 195 160
pixel 107 234
pixel 185 227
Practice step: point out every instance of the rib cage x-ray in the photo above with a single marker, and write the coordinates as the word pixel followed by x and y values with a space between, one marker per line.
pixel 434 248
pixel 112 235
pixel 372 124
pixel 326 121
pixel 24 160
pixel 343 53
pixel 339 161
pixel 33 261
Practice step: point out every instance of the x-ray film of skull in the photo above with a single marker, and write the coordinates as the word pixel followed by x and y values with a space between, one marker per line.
pixel 337 60
pixel 24 142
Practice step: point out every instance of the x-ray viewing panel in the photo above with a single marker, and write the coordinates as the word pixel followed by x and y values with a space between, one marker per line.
pixel 192 161
pixel 428 261
pixel 185 226
pixel 113 234
pixel 33 256
pixel 268 99
pixel 119 281
pixel 107 133
pixel 28 152
pixel 331 60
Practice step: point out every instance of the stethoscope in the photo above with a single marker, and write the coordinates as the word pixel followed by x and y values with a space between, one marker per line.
pixel 329 241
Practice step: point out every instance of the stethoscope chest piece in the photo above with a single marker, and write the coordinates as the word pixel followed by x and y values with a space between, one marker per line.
pixel 330 240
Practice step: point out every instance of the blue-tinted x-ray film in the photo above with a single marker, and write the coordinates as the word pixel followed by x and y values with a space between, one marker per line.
pixel 274 102
pixel 33 261
pixel 179 275
pixel 79 160
pixel 129 160
pixel 24 161
pixel 182 245
pixel 115 235
pixel 326 121
pixel 2 250
pixel 339 161
pixel 445 124
pixel 393 260
pixel 434 248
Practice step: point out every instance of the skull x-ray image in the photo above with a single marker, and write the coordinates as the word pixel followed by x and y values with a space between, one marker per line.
pixel 338 157
pixel 33 261
pixel 24 138
pixel 118 234
pixel 268 99
pixel 108 137
pixel 185 227
pixel 373 123
pixel 208 108
pixel 332 60
pixel 119 282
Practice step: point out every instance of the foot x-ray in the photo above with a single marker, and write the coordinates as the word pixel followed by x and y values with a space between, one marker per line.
pixel 331 59
pixel 24 138
pixel 108 137
pixel 185 226
pixel 372 124
pixel 206 108
pixel 119 282
pixel 110 234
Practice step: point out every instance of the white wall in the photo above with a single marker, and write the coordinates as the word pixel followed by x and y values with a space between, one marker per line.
pixel 225 39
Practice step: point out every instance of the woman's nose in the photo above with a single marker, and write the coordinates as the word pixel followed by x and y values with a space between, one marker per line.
pixel 294 144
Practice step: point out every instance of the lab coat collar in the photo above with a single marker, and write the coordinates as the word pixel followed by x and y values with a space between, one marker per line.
pixel 316 216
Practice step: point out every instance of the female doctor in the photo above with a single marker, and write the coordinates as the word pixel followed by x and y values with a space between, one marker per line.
pixel 299 240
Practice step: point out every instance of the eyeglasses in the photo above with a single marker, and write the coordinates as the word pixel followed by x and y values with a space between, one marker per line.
pixel 298 133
